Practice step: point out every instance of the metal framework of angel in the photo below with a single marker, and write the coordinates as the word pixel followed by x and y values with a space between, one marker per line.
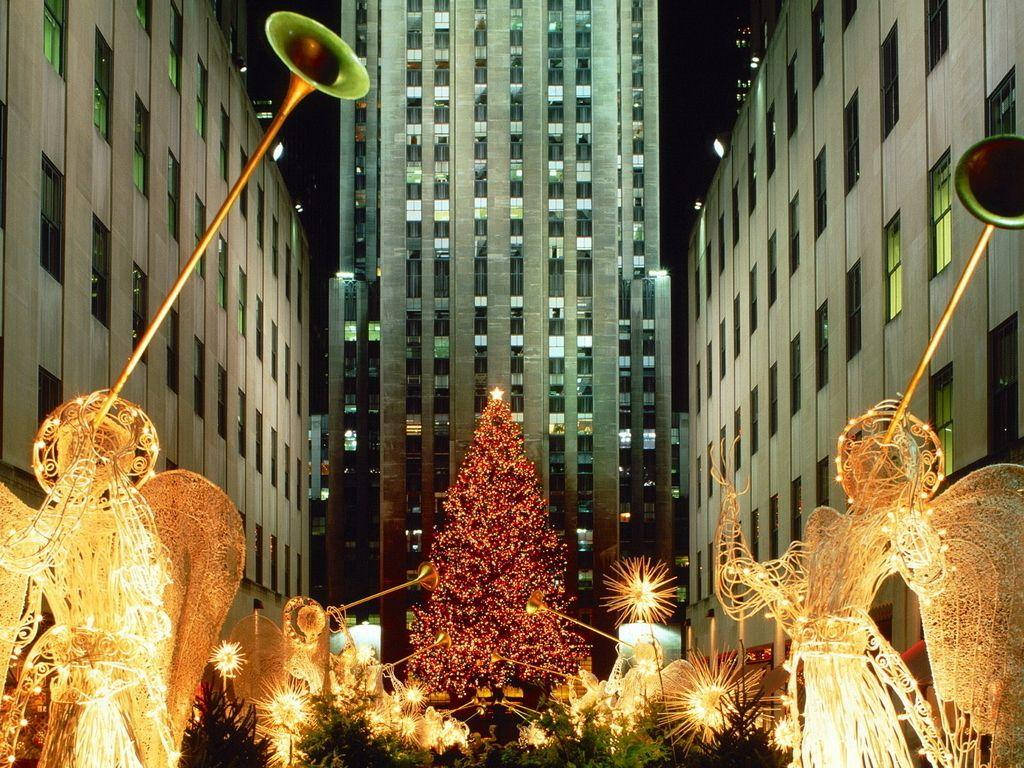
pixel 957 551
pixel 137 601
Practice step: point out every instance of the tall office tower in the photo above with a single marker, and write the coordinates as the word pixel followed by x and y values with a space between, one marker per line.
pixel 123 125
pixel 500 228
pixel 827 248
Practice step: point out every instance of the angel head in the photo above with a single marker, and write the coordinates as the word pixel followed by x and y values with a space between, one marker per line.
pixel 881 468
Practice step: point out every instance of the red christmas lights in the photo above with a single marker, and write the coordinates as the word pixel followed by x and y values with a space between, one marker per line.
pixel 495 548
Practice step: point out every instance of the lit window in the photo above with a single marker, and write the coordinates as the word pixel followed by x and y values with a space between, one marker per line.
pixel 893 269
pixel 941 214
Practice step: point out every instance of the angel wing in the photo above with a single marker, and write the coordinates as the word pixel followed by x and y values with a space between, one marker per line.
pixel 202 532
pixel 972 603
pixel 14 586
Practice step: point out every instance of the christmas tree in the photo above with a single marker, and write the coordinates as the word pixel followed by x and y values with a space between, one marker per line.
pixel 495 549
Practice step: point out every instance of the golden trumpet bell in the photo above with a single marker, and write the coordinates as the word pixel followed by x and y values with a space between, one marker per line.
pixel 988 181
pixel 536 603
pixel 317 55
pixel 443 640
pixel 428 577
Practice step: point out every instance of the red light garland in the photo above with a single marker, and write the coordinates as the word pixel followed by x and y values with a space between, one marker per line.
pixel 495 549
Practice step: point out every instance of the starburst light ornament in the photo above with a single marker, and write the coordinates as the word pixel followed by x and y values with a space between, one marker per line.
pixel 700 704
pixel 640 591
pixel 227 659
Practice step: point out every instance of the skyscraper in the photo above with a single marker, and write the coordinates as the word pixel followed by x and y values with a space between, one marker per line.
pixel 499 192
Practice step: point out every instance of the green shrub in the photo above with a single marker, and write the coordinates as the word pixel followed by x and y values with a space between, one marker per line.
pixel 222 734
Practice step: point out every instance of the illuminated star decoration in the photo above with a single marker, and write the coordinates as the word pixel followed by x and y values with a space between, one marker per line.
pixel 282 716
pixel 700 705
pixel 640 591
pixel 227 659
pixel 497 393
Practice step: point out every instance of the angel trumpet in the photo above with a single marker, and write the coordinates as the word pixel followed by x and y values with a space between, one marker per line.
pixel 319 60
pixel 443 640
pixel 988 184
pixel 427 577
pixel 536 604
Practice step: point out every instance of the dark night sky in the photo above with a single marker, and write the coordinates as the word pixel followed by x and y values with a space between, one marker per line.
pixel 699 65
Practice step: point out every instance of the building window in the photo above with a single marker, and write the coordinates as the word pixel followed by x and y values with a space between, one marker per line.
pixel 173 348
pixel 287 471
pixel 820 198
pixel 241 423
pixel 796 509
pixel 242 301
pixel 735 214
pixel 258 554
pixel 821 482
pixel 773 270
pixel 941 415
pixel 1002 386
pixel 273 563
pixel 721 350
pixel 794 227
pixel 890 82
pixel 893 269
pixel 198 377
pixel 222 273
pixel 102 68
pixel 202 88
pixel 736 326
pixel 794 374
pixel 53 33
pixel 51 221
pixel 259 442
pixel 818 48
pixel 51 393
pixel 753 299
pixel 938 31
pixel 773 399
pixel 243 197
pixel 259 328
pixel 853 302
pixel 751 179
pixel 769 128
pixel 222 151
pixel 173 196
pixel 222 402
pixel 140 156
pixel 773 526
pixel 941 200
pixel 174 57
pixel 100 272
pixel 851 137
pixel 261 206
pixel 142 10
pixel 737 445
pixel 849 8
pixel 721 243
pixel 792 98
pixel 273 457
pixel 199 229
pixel 755 534
pixel 273 350
pixel 821 344
pixel 140 302
pixel 1001 107
pixel 754 431
pixel 710 376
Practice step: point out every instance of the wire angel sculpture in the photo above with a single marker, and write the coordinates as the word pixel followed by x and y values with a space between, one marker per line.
pixel 136 602
pixel 957 551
